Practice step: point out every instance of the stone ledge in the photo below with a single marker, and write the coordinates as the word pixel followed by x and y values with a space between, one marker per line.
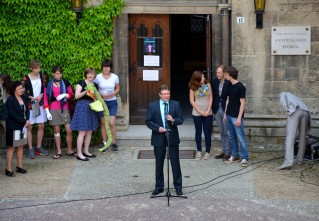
pixel 171 3
pixel 171 7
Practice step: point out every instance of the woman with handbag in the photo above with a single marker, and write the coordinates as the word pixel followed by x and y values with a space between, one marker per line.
pixel 84 119
pixel 16 122
pixel 56 95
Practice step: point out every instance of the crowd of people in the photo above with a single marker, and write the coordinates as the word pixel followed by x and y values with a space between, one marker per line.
pixel 33 101
pixel 226 102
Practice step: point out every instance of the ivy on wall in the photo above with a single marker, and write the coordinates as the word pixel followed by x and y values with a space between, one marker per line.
pixel 48 30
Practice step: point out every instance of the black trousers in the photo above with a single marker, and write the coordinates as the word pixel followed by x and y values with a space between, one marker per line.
pixel 160 152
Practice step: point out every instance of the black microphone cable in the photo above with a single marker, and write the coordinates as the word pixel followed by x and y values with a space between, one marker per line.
pixel 138 193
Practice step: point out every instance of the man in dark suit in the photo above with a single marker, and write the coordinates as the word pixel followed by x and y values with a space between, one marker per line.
pixel 220 87
pixel 164 115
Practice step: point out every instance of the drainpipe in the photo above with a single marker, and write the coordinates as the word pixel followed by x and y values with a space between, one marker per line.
pixel 225 8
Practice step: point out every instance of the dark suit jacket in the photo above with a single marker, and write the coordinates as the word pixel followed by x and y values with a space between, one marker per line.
pixel 216 98
pixel 16 120
pixel 154 122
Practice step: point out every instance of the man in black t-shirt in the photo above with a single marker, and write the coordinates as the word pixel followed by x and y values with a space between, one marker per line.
pixel 234 117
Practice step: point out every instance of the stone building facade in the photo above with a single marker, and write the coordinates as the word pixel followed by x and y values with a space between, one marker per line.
pixel 266 75
pixel 241 45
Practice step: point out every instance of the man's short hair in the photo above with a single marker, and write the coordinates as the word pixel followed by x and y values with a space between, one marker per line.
pixel 35 64
pixel 163 87
pixel 232 72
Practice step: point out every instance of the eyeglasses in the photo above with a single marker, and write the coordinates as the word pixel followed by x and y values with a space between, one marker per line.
pixel 165 94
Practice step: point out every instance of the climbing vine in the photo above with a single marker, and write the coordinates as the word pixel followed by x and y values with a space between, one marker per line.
pixel 49 31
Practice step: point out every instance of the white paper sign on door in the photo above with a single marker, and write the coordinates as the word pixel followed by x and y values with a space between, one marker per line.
pixel 151 60
pixel 150 75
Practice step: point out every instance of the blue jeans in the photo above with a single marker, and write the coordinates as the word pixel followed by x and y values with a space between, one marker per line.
pixel 236 134
pixel 223 131
pixel 203 123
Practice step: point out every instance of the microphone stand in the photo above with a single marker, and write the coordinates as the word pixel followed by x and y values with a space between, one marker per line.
pixel 168 193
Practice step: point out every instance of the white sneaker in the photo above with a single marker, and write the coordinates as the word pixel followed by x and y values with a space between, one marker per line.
pixel 244 163
pixel 231 159
pixel 206 156
pixel 199 154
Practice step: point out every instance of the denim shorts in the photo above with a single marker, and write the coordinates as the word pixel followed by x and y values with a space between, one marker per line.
pixel 112 106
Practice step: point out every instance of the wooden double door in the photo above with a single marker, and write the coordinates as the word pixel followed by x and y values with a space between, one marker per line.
pixel 150 60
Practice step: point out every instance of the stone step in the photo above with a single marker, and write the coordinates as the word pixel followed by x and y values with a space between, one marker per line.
pixel 147 143
pixel 140 136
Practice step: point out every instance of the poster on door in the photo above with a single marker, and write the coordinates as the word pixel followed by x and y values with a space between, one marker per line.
pixel 149 46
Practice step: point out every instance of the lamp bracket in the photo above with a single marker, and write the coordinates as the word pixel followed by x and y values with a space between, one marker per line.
pixel 224 7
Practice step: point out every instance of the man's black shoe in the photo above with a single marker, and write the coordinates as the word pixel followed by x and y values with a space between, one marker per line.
pixel 179 192
pixel 157 191
pixel 220 156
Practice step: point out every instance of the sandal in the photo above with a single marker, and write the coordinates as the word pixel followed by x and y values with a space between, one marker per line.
pixel 71 154
pixel 57 156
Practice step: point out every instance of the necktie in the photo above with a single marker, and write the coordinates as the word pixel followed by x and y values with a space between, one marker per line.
pixel 165 113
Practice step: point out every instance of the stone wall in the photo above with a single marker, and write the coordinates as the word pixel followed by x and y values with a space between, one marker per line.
pixel 263 74
pixel 266 75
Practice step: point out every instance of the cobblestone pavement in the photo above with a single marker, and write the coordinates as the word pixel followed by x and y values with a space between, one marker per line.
pixel 115 186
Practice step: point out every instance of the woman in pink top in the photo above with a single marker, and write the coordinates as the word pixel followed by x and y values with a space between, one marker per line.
pixel 56 95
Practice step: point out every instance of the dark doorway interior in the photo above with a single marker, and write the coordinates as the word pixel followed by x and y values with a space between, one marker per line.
pixel 188 53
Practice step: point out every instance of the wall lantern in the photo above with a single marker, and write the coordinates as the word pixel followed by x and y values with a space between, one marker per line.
pixel 259 10
pixel 77 8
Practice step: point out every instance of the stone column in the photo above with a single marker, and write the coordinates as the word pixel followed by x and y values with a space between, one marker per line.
pixel 224 9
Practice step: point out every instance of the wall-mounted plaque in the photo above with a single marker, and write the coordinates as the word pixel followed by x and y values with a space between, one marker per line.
pixel 291 40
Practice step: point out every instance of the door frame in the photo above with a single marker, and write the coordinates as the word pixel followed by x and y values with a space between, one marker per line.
pixel 151 27
pixel 121 39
